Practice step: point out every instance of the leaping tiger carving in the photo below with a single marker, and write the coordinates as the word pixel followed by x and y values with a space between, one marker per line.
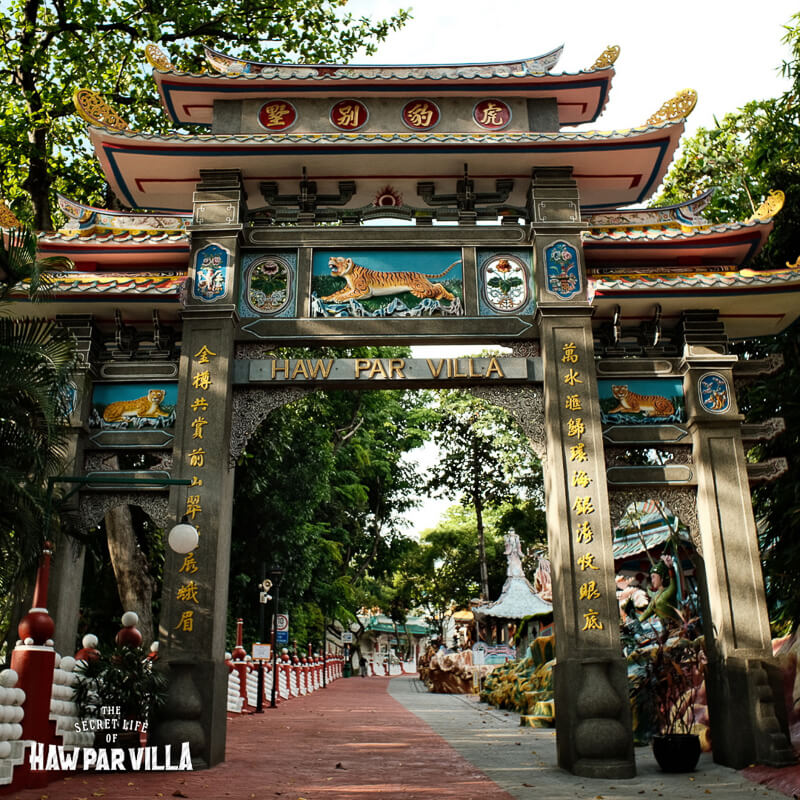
pixel 363 282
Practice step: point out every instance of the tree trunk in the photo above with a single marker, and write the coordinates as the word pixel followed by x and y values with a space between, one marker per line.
pixel 478 503
pixel 131 569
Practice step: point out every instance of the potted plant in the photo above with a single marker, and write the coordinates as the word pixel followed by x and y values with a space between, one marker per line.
pixel 122 689
pixel 671 674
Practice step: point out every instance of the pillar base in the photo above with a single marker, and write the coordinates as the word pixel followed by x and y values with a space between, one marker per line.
pixel 594 738
pixel 747 713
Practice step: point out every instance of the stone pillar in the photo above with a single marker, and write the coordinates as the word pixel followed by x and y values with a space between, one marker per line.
pixel 195 588
pixel 66 575
pixel 593 725
pixel 746 707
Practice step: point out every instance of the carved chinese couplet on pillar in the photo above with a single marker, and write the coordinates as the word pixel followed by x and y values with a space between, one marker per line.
pixel 593 724
pixel 202 377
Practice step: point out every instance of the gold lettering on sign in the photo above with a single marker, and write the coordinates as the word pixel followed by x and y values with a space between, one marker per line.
pixel 494 366
pixel 284 369
pixel 396 366
pixel 299 368
pixel 377 367
pixel 362 365
pixel 318 367
pixel 437 370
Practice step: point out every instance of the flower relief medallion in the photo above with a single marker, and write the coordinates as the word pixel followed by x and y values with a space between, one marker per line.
pixel 505 283
pixel 268 285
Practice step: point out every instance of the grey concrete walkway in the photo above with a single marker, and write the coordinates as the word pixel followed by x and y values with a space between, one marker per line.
pixel 523 760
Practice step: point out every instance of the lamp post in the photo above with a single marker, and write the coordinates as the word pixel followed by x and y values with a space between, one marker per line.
pixel 275 574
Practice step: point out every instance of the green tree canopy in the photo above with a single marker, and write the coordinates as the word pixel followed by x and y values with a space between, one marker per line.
pixel 50 48
pixel 750 152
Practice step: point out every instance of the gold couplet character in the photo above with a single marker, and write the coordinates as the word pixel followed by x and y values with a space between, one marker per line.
pixel 202 380
pixel 187 592
pixel 572 377
pixel 198 424
pixel 193 506
pixel 490 115
pixel 186 622
pixel 570 356
pixel 197 457
pixel 583 505
pixel 577 452
pixel 575 427
pixel 581 478
pixel 592 621
pixel 573 403
pixel 348 115
pixel 203 355
pixel 586 561
pixel 189 564
pixel 589 591
pixel 584 532
pixel 199 404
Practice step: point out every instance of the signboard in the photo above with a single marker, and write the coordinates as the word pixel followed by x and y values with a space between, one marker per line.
pixel 347 637
pixel 282 637
pixel 388 372
pixel 282 622
pixel 262 651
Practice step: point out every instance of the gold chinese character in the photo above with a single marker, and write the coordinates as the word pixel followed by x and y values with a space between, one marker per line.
pixel 592 621
pixel 202 380
pixel 198 425
pixel 575 427
pixel 199 404
pixel 570 356
pixel 589 591
pixel 186 622
pixel 196 481
pixel 581 478
pixel 587 562
pixel 573 403
pixel 420 114
pixel 490 115
pixel 197 457
pixel 584 532
pixel 275 112
pixel 578 452
pixel 583 505
pixel 187 592
pixel 189 564
pixel 572 378
pixel 203 354
pixel 348 115
pixel 193 505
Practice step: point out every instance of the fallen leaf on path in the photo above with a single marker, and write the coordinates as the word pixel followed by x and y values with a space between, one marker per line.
pixel 179 793
pixel 339 765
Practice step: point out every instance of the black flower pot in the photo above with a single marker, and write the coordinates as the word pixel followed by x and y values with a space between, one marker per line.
pixel 677 752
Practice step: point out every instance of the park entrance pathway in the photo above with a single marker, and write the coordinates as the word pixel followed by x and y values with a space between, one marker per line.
pixel 375 738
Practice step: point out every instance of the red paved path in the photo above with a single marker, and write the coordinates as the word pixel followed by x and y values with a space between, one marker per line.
pixel 293 751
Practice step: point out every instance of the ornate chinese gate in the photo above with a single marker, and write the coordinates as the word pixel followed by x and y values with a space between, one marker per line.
pixel 519 281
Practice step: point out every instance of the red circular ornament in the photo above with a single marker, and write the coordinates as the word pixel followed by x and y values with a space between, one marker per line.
pixel 349 115
pixel 277 115
pixel 420 115
pixel 37 625
pixel 491 114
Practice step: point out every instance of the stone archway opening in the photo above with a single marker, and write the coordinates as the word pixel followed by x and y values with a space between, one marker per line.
pixel 261 418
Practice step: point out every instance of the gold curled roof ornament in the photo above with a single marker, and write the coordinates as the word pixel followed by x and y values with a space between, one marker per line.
pixel 157 58
pixel 90 106
pixel 606 58
pixel 796 264
pixel 772 204
pixel 7 217
pixel 678 108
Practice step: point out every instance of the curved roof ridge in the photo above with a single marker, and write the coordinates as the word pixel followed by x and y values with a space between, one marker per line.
pixel 231 66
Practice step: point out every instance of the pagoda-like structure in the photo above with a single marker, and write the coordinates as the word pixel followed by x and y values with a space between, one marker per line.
pixel 519 232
